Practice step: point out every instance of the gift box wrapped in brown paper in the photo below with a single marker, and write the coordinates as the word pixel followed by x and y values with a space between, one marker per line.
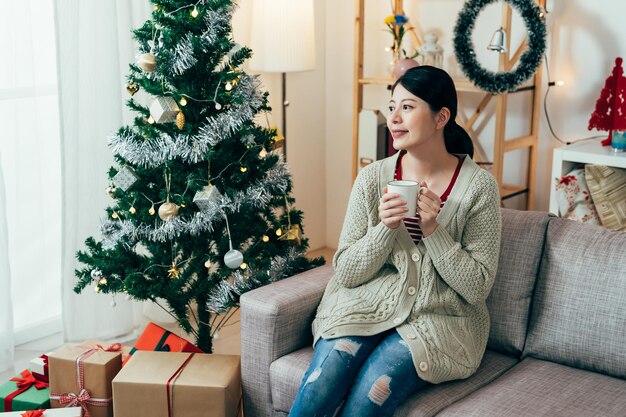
pixel 194 385
pixel 99 367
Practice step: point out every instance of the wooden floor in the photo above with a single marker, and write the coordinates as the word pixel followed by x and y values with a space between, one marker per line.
pixel 228 340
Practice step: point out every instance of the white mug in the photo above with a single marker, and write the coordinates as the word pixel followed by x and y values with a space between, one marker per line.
pixel 408 190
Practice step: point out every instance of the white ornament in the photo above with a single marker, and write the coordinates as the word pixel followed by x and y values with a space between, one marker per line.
pixel 164 110
pixel 125 178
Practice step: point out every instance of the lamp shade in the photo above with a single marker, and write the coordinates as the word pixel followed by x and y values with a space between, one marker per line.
pixel 282 36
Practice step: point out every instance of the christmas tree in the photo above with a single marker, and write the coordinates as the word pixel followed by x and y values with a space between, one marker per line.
pixel 610 112
pixel 201 209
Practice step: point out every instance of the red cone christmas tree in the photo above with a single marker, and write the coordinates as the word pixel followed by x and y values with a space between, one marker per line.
pixel 610 113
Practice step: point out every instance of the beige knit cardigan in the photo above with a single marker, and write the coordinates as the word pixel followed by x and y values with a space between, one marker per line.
pixel 433 293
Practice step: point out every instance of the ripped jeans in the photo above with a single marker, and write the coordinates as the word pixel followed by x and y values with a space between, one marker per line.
pixel 370 375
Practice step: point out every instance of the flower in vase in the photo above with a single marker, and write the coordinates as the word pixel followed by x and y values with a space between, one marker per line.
pixel 396 26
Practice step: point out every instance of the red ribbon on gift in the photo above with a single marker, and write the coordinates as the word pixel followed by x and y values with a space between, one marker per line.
pixel 115 347
pixel 33 413
pixel 83 398
pixel 170 383
pixel 25 382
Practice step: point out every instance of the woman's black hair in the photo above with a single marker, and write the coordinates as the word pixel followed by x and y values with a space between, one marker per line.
pixel 435 87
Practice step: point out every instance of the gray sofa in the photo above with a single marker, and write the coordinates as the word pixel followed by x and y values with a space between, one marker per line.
pixel 557 345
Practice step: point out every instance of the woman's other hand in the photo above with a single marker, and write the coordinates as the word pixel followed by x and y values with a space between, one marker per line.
pixel 428 206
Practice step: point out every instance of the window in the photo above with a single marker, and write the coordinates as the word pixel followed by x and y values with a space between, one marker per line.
pixel 30 158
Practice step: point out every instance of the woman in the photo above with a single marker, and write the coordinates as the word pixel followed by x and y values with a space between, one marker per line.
pixel 406 306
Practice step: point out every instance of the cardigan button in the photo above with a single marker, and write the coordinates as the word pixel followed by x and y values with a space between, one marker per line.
pixel 415 257
pixel 397 320
pixel 411 336
pixel 411 290
pixel 423 366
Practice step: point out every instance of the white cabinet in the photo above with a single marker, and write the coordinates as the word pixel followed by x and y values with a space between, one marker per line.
pixel 588 152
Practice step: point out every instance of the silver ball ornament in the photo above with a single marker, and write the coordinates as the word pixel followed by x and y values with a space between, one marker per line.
pixel 96 274
pixel 113 303
pixel 233 259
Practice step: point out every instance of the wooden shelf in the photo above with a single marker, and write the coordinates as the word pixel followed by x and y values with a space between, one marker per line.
pixel 509 190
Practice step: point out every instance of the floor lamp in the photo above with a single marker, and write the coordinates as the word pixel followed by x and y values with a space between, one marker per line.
pixel 282 40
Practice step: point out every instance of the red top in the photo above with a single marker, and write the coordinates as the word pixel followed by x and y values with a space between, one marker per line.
pixel 412 223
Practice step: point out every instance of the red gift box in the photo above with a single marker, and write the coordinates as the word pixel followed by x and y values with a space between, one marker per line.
pixel 156 338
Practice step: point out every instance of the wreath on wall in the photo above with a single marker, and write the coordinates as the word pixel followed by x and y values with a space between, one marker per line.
pixel 506 81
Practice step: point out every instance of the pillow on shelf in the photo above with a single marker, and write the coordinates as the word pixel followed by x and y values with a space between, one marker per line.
pixel 608 190
pixel 573 198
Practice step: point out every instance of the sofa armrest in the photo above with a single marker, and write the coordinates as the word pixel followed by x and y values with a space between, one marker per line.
pixel 276 320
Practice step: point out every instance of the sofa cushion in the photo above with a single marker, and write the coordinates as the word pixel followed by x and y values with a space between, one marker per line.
pixel 578 311
pixel 539 388
pixel 287 372
pixel 523 236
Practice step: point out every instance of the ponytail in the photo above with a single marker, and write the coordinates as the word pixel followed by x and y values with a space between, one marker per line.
pixel 457 140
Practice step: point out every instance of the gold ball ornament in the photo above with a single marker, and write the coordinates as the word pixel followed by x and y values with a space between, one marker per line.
pixel 132 87
pixel 182 101
pixel 152 211
pixel 168 211
pixel 132 210
pixel 265 238
pixel 114 215
pixel 180 120
pixel 147 62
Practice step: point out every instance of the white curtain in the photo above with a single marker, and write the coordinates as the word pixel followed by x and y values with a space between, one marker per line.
pixel 31 165
pixel 6 309
pixel 94 47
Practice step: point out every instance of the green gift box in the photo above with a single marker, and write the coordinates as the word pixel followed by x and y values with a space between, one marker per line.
pixel 24 392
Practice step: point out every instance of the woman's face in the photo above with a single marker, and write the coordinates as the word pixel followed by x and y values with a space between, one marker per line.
pixel 411 121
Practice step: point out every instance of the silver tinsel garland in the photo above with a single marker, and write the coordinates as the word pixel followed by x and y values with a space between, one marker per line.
pixel 281 265
pixel 258 195
pixel 183 58
pixel 225 294
pixel 151 153
pixel 217 24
